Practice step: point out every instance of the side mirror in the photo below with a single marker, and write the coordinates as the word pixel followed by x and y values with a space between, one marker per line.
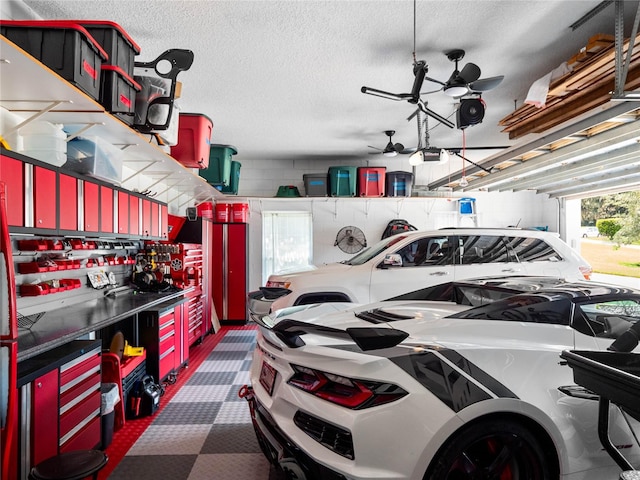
pixel 392 260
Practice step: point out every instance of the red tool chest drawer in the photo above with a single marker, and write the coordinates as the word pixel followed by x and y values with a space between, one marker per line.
pixel 79 369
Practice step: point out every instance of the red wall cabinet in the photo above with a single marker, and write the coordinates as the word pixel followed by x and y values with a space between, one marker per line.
pixel 146 217
pixel 134 215
pixel 12 174
pixel 44 194
pixel 91 206
pixel 123 213
pixel 164 222
pixel 68 202
pixel 155 219
pixel 106 210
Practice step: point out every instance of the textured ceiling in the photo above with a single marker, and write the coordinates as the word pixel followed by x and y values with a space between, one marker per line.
pixel 282 79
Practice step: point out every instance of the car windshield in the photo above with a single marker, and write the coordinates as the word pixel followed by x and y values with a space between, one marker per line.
pixel 373 251
pixel 460 293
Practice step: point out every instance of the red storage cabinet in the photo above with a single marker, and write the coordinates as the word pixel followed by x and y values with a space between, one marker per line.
pixel 44 194
pixel 194 140
pixel 146 217
pixel 106 209
pixel 91 206
pixel 155 219
pixel 134 215
pixel 44 391
pixel 371 181
pixel 68 202
pixel 12 174
pixel 164 222
pixel 123 213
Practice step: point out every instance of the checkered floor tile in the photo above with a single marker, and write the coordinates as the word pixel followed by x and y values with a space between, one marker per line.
pixel 205 430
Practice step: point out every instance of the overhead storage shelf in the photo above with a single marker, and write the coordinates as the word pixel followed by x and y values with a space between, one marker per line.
pixel 29 88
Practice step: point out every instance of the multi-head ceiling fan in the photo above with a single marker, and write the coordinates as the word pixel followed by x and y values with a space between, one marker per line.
pixel 460 83
pixel 391 149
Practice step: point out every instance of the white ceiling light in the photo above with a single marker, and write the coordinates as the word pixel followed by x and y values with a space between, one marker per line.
pixel 456 91
pixel 463 182
pixel 391 153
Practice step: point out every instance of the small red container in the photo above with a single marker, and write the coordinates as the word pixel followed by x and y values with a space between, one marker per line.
pixel 194 140
pixel 240 212
pixel 371 181
pixel 222 213
pixel 205 210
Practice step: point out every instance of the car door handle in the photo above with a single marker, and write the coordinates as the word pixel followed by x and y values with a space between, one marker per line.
pixel 439 274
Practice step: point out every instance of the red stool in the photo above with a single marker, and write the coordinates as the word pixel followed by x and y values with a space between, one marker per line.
pixel 74 465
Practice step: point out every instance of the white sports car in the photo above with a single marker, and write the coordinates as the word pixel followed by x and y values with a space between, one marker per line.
pixel 473 388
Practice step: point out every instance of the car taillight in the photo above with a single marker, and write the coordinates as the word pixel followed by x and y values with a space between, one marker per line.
pixel 586 271
pixel 347 392
pixel 278 284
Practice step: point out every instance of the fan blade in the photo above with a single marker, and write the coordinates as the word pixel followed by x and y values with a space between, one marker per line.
pixel 470 73
pixel 485 84
pixel 398 147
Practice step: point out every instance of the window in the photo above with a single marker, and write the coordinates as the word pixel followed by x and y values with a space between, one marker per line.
pixel 607 319
pixel 426 252
pixel 482 249
pixel 533 250
pixel 286 241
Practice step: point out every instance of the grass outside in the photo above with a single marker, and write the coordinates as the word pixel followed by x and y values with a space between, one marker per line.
pixel 605 258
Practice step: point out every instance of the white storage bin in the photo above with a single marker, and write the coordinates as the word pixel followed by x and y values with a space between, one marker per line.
pixel 8 122
pixel 44 141
pixel 94 157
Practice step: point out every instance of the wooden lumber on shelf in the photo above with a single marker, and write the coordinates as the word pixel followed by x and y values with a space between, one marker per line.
pixel 588 86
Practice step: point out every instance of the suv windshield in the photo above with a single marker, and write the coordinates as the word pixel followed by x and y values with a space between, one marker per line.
pixel 368 253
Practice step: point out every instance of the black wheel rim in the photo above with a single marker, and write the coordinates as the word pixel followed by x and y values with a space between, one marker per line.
pixel 497 457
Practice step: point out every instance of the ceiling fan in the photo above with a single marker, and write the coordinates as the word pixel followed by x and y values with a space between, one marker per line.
pixel 391 149
pixel 461 82
pixel 465 81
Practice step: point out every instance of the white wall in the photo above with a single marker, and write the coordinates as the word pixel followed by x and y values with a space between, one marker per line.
pixel 371 215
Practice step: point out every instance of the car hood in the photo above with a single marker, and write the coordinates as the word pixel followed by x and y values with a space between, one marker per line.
pixel 330 268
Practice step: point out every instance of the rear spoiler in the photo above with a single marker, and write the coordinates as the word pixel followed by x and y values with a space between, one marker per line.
pixel 367 338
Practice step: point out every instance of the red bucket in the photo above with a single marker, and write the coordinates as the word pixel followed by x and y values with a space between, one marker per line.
pixel 222 213
pixel 205 210
pixel 240 213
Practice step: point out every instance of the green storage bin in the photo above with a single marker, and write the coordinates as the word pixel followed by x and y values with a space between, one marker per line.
pixel 218 173
pixel 288 191
pixel 342 181
pixel 234 180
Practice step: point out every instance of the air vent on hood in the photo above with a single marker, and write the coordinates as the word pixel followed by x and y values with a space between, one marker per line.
pixel 381 316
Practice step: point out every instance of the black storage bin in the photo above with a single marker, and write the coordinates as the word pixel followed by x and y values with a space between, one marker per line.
pixel 118 93
pixel 115 41
pixel 65 47
pixel 398 184
pixel 316 184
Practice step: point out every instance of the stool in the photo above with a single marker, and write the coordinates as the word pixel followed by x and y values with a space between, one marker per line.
pixel 74 465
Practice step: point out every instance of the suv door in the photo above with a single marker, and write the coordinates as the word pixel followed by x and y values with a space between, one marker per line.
pixel 484 255
pixel 424 262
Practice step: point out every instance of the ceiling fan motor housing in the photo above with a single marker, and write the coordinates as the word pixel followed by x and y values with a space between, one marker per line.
pixel 470 112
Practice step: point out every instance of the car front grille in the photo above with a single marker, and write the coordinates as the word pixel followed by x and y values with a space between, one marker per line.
pixel 337 439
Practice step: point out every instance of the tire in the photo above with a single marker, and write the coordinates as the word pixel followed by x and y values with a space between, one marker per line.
pixel 492 450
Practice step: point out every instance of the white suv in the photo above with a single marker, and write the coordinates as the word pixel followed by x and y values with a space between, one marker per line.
pixel 413 260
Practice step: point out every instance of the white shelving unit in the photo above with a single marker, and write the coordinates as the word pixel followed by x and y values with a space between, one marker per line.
pixel 30 89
